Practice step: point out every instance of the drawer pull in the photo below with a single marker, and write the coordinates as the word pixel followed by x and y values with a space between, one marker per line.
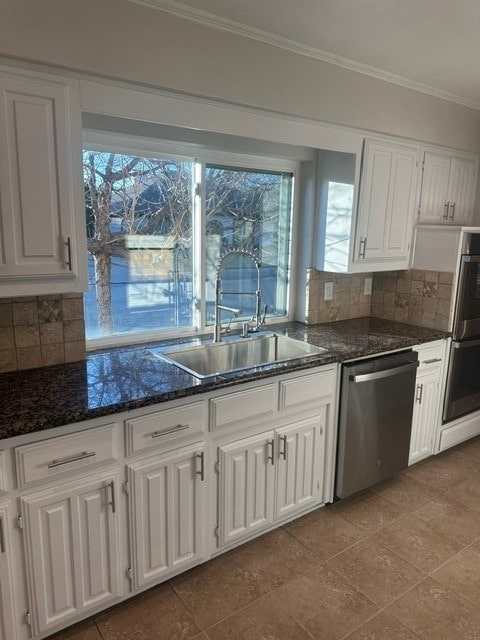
pixel 59 461
pixel 431 361
pixel 2 537
pixel 178 427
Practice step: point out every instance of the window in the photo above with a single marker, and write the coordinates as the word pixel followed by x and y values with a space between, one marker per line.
pixel 157 226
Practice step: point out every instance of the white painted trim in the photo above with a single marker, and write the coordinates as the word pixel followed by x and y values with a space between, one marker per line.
pixel 208 19
pixel 158 148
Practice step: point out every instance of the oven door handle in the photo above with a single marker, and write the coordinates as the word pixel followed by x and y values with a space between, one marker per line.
pixel 465 344
pixel 469 258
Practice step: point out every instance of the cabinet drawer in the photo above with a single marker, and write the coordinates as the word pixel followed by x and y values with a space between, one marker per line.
pixel 163 427
pixel 307 389
pixel 49 458
pixel 430 355
pixel 242 405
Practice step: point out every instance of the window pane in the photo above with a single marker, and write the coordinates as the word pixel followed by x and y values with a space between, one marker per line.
pixel 250 210
pixel 139 233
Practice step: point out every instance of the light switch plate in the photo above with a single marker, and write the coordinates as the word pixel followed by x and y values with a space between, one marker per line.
pixel 328 291
pixel 367 289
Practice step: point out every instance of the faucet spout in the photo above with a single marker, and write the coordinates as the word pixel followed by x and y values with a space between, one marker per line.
pixel 217 331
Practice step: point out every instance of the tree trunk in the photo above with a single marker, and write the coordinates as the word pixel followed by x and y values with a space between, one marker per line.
pixel 103 267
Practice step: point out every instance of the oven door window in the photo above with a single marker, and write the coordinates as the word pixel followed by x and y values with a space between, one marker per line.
pixel 463 386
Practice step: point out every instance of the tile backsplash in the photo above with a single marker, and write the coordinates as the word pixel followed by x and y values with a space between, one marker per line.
pixel 348 299
pixel 40 331
pixel 416 297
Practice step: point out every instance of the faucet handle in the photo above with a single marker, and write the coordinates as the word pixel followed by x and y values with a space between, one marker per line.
pixel 264 315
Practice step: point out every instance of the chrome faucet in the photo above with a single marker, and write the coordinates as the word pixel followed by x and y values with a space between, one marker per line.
pixel 258 318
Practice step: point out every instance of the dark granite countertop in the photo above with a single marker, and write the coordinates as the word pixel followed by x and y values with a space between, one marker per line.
pixel 122 379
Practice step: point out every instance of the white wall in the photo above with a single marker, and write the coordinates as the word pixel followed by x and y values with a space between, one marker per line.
pixel 121 40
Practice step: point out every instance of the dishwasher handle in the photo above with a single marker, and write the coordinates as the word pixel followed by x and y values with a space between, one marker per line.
pixel 378 375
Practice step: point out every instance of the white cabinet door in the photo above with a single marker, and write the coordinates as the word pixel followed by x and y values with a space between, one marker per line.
pixel 433 201
pixel 167 504
pixel 385 213
pixel 8 628
pixel 461 190
pixel 300 455
pixel 41 192
pixel 72 549
pixel 425 413
pixel 246 487
pixel 448 188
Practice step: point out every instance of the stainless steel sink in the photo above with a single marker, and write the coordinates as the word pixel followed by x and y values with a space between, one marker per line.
pixel 212 359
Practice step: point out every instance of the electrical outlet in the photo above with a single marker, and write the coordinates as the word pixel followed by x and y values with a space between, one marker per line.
pixel 328 291
pixel 367 289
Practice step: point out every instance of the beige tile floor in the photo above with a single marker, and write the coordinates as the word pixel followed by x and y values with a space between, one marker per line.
pixel 398 562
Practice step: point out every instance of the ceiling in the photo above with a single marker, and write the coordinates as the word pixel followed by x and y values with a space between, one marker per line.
pixel 430 45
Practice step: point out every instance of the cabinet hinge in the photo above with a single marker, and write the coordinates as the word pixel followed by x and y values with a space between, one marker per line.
pixel 217 467
pixel 28 618
pixel 129 573
pixel 19 523
pixel 126 487
pixel 216 531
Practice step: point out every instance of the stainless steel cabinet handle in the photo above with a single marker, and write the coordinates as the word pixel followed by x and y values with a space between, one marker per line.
pixel 284 452
pixel 378 375
pixel 113 502
pixel 201 473
pixel 69 253
pixel 432 360
pixel 271 443
pixel 59 461
pixel 178 427
pixel 446 207
pixel 419 395
pixel 2 537
pixel 452 214
pixel 363 247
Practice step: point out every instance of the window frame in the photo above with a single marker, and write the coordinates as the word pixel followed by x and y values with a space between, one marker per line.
pixel 200 156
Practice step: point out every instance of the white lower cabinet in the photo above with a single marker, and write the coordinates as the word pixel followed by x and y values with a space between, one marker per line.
pixel 301 451
pixel 246 489
pixel 424 417
pixel 166 512
pixel 72 549
pixel 426 408
pixel 8 630
pixel 269 477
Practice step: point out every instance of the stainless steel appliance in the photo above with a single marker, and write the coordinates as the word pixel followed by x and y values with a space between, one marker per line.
pixel 376 410
pixel 463 378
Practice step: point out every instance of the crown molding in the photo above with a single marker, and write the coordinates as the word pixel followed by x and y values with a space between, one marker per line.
pixel 206 18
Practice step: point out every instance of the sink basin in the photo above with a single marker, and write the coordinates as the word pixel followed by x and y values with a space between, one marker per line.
pixel 212 359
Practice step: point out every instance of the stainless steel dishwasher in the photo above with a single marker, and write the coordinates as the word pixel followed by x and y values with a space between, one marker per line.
pixel 376 406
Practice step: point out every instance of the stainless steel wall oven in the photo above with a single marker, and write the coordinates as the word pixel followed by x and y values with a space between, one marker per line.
pixel 463 378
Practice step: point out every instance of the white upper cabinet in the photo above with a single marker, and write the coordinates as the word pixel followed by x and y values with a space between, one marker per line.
pixel 42 215
pixel 386 206
pixel 448 188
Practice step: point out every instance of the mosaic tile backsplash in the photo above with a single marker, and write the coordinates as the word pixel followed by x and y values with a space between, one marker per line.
pixel 40 331
pixel 422 298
